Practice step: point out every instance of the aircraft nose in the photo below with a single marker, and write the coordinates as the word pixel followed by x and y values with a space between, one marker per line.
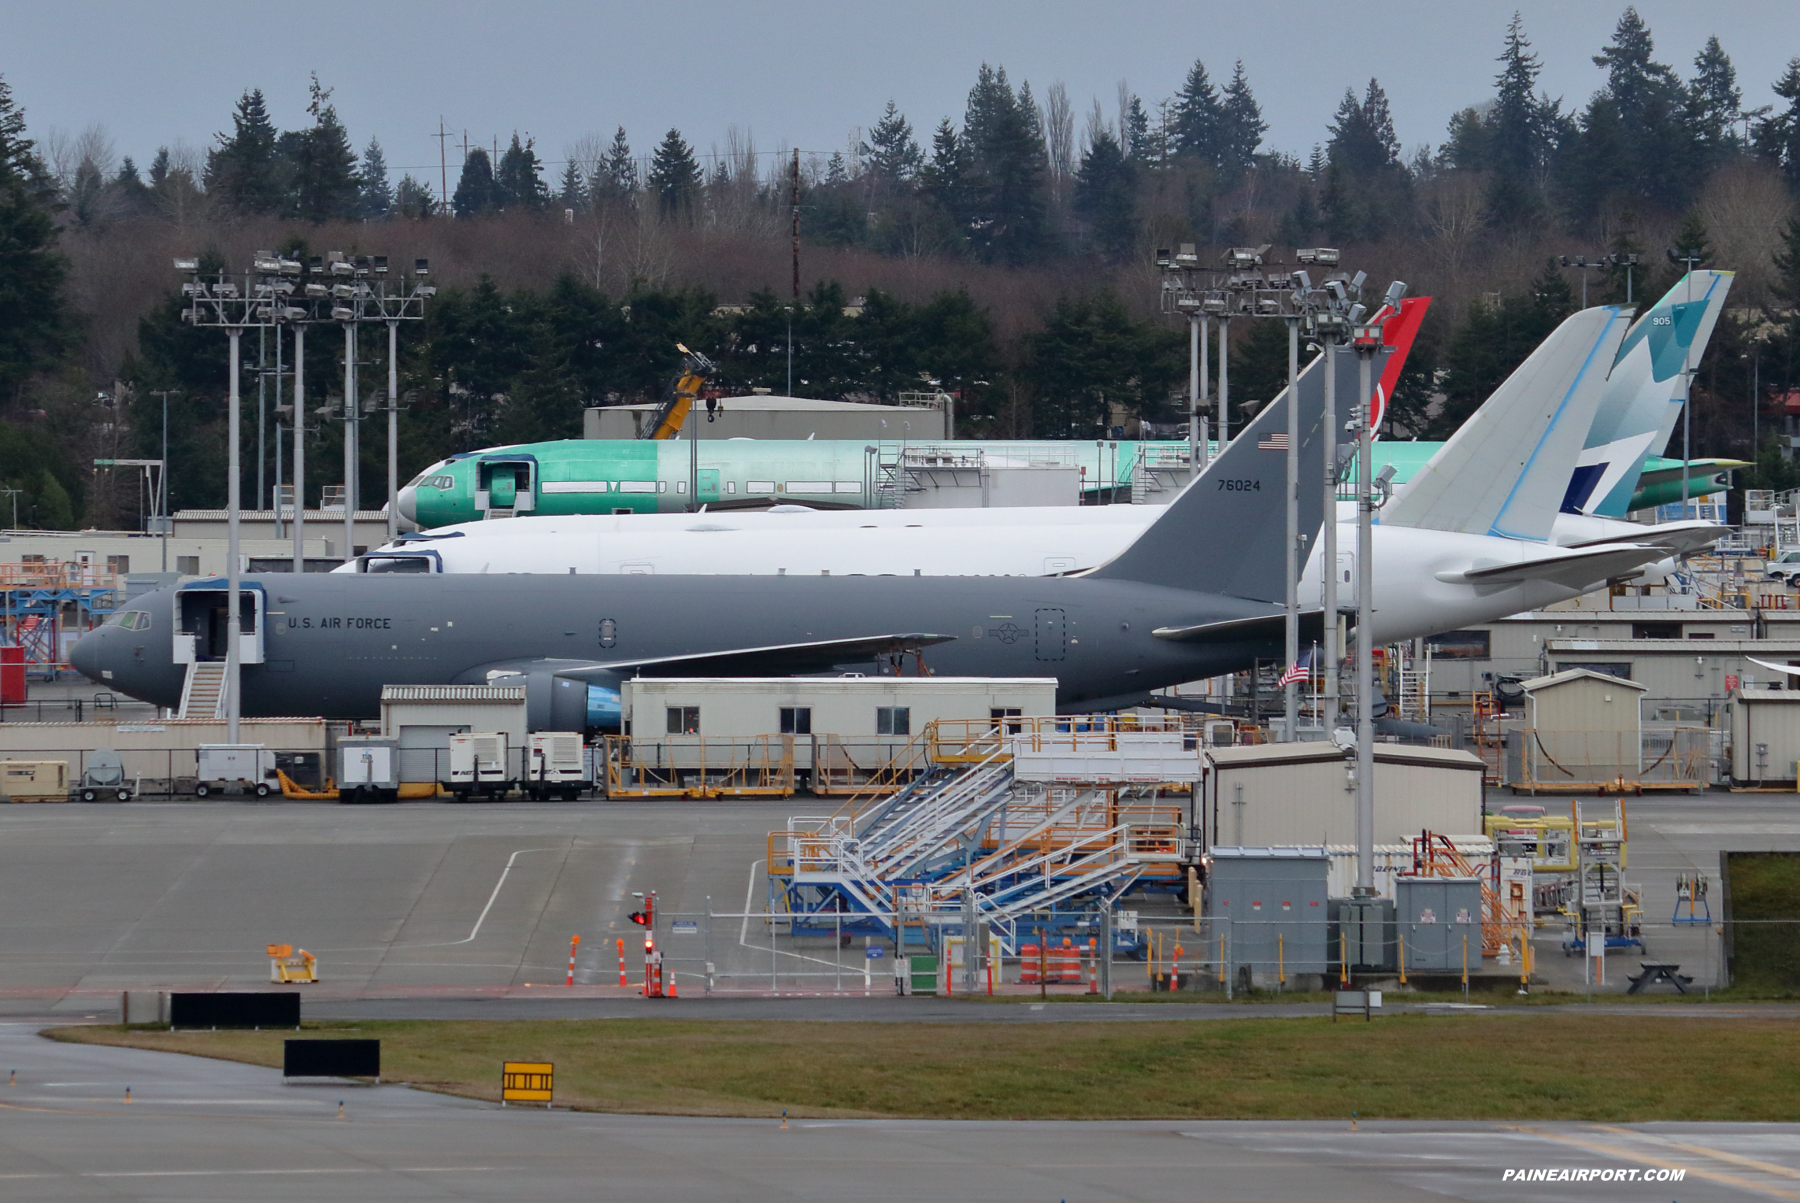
pixel 409 503
pixel 85 656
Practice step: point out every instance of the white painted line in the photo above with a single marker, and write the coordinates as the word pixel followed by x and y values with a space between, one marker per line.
pixel 476 930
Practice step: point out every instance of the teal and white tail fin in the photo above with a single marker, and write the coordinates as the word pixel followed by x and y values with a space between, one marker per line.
pixel 1644 394
pixel 1506 471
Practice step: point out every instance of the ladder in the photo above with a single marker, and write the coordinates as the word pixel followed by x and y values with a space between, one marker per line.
pixel 203 693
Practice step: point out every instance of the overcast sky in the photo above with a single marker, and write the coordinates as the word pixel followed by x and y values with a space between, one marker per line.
pixel 806 73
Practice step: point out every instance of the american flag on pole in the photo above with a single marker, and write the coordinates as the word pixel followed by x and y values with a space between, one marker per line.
pixel 1274 442
pixel 1301 670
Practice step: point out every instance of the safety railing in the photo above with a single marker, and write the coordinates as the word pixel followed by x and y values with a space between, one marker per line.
pixel 696 766
pixel 1673 758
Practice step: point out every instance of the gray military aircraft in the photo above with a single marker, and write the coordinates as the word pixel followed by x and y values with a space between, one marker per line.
pixel 1198 594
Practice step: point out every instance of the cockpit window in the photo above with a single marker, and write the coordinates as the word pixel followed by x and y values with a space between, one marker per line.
pixel 131 620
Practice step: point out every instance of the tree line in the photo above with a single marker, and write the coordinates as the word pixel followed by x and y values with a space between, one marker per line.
pixel 1003 256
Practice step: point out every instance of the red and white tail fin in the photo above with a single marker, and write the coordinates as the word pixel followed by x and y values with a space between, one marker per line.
pixel 1398 329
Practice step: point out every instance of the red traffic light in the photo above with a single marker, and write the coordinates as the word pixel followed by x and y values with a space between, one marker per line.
pixel 641 919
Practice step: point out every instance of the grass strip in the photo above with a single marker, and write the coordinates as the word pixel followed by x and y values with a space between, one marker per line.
pixel 1512 1065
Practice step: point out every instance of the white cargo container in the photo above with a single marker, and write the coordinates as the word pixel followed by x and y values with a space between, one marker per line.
pixel 236 766
pixel 555 764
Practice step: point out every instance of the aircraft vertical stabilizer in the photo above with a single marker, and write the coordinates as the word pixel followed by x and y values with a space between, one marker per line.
pixel 1227 531
pixel 1506 471
pixel 1644 394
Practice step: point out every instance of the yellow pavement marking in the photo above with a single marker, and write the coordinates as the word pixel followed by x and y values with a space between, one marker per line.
pixel 1630 1155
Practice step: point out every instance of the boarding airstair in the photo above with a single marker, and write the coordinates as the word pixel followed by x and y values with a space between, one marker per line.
pixel 971 833
pixel 203 693
pixel 887 476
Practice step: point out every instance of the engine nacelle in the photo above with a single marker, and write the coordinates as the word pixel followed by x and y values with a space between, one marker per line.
pixel 556 701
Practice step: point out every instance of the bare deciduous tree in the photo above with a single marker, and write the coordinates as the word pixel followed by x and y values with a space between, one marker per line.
pixel 1059 139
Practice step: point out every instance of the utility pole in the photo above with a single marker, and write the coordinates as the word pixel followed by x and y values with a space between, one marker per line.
pixel 796 300
pixel 443 167
pixel 1224 386
pixel 1328 552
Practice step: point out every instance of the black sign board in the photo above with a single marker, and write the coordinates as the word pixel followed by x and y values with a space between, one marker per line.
pixel 257 1010
pixel 332 1059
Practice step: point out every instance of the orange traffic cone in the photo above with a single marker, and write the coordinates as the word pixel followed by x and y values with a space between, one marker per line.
pixel 672 993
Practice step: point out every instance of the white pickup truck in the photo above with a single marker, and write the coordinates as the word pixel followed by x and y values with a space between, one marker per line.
pixel 1784 568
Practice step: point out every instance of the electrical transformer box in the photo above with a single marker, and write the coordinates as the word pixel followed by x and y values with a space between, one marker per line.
pixel 1270 904
pixel 1436 914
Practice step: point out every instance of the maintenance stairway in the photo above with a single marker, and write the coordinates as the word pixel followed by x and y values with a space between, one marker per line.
pixel 1034 823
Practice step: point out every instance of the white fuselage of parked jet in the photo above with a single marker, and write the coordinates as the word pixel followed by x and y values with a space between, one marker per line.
pixel 1419 588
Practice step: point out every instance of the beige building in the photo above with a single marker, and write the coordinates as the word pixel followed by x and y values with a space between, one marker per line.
pixel 1765 736
pixel 1304 793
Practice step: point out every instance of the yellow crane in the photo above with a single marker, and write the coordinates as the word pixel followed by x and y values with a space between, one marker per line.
pixel 696 370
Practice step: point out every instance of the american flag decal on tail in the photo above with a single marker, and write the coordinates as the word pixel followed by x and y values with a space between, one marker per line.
pixel 1274 442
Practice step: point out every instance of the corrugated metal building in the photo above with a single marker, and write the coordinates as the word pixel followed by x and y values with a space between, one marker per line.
pixel 1288 794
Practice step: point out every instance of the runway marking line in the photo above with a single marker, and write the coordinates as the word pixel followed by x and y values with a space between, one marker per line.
pixel 1767 1167
pixel 1628 1155
pixel 417 1169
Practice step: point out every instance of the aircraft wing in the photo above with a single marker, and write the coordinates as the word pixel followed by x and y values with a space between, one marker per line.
pixel 1573 570
pixel 1789 669
pixel 1236 630
pixel 773 659
pixel 1675 538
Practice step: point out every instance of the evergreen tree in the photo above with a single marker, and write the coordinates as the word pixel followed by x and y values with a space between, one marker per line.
pixel 674 176
pixel 835 171
pixel 1366 187
pixel 475 193
pixel 1106 196
pixel 128 187
pixel 944 181
pixel 1635 127
pixel 1198 117
pixel 34 326
pixel 326 187
pixel 413 199
pixel 377 193
pixel 1715 104
pixel 1091 354
pixel 893 157
pixel 620 179
pixel 1006 168
pixel 1241 126
pixel 242 172
pixel 519 181
pixel 1136 136
pixel 1514 138
pixel 572 192
pixel 1786 286
pixel 1778 135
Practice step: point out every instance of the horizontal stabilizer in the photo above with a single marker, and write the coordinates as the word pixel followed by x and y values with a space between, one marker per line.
pixel 1574 570
pixel 1675 538
pixel 1238 630
pixel 1792 670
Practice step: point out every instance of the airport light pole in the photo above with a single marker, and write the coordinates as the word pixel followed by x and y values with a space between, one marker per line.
pixel 220 303
pixel 1181 296
pixel 1367 342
